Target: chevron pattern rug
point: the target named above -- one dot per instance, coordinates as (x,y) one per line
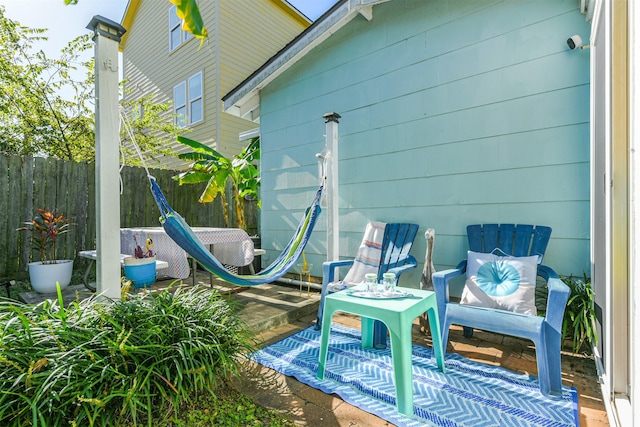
(469,394)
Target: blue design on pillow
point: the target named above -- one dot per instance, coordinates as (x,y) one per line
(498,279)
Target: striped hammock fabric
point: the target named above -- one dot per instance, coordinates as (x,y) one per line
(177,228)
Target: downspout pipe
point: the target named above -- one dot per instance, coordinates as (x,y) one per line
(296,282)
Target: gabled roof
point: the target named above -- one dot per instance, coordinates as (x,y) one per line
(127,18)
(244,99)
(134,5)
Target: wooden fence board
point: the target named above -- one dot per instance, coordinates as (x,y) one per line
(65,202)
(19,243)
(25,189)
(78,193)
(91,211)
(4,212)
(27,183)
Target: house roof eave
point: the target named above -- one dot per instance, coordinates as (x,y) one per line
(134,5)
(127,19)
(245,98)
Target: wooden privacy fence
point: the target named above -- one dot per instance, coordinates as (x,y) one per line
(28,183)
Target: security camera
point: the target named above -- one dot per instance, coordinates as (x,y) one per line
(574,42)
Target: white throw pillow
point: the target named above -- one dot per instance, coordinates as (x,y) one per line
(501,282)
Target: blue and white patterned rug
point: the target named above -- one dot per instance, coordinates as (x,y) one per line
(469,394)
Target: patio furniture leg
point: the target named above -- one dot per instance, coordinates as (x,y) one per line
(324,341)
(553,342)
(210,273)
(380,335)
(194,268)
(85,278)
(366,327)
(436,336)
(402,366)
(7,285)
(374,334)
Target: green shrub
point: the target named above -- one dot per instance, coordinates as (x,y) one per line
(109,363)
(580,316)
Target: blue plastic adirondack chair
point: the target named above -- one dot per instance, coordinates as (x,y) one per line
(545,332)
(395,258)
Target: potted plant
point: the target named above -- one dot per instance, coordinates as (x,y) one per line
(46,227)
(141,267)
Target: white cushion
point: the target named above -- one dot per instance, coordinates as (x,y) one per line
(501,282)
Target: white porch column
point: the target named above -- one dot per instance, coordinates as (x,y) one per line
(107,36)
(333,213)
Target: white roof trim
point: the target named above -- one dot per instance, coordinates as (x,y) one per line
(249,134)
(587,8)
(243,100)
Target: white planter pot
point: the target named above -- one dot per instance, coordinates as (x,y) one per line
(44,276)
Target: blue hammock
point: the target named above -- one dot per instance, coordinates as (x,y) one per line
(178,229)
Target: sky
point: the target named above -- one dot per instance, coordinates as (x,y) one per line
(68,22)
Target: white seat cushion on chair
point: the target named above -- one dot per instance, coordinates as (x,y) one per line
(367,258)
(501,282)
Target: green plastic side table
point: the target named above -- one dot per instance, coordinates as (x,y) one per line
(398,315)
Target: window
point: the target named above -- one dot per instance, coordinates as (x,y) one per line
(188,105)
(180,104)
(176,35)
(195,98)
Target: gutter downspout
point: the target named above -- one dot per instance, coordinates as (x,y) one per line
(287,281)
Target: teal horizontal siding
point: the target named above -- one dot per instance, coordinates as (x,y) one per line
(453,112)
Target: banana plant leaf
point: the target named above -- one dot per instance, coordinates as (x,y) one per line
(188,11)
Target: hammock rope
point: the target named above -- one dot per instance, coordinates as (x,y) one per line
(177,228)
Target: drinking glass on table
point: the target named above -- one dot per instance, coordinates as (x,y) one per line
(389,282)
(370,281)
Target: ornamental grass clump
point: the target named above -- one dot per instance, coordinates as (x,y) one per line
(110,363)
(580,320)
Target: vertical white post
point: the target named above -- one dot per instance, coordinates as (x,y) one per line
(634,180)
(333,213)
(107,36)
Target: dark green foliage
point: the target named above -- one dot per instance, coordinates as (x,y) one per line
(115,362)
(207,165)
(47,104)
(580,315)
